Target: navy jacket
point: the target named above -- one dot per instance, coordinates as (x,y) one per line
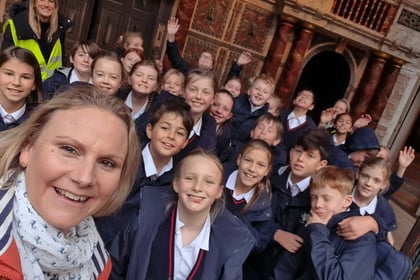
(179,63)
(289,214)
(333,258)
(291,135)
(230,241)
(4,126)
(56,82)
(243,120)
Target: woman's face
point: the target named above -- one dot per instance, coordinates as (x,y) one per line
(17,80)
(74,166)
(107,76)
(45,9)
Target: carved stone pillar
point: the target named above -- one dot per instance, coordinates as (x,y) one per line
(384,90)
(294,63)
(368,84)
(275,55)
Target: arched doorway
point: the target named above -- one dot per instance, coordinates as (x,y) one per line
(327,74)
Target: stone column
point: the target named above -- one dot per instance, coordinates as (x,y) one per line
(278,46)
(294,63)
(384,90)
(368,84)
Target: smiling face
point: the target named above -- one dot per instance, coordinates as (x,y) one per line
(199,184)
(205,61)
(253,165)
(17,80)
(144,80)
(81,61)
(107,76)
(221,108)
(304,163)
(344,124)
(174,84)
(233,86)
(260,92)
(199,94)
(74,166)
(129,60)
(326,200)
(266,131)
(370,182)
(167,137)
(45,9)
(304,100)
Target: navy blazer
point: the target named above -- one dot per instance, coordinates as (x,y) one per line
(243,120)
(332,257)
(229,246)
(291,135)
(11,125)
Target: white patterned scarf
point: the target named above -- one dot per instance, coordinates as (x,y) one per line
(46,252)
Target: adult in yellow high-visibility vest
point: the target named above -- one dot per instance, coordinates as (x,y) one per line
(39,28)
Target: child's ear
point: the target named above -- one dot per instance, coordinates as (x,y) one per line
(276,142)
(149,129)
(311,107)
(175,185)
(322,164)
(185,143)
(348,199)
(71,60)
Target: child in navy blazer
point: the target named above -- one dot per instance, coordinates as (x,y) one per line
(329,256)
(21,72)
(248,196)
(248,107)
(291,203)
(187,235)
(297,120)
(167,130)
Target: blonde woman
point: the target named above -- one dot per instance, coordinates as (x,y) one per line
(36,25)
(73,159)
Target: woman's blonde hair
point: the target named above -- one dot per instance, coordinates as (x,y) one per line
(13,141)
(35,22)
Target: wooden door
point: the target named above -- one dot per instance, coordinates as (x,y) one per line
(80,12)
(113,18)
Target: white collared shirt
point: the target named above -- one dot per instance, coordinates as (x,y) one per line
(74,78)
(16,115)
(253,107)
(301,185)
(370,208)
(186,257)
(230,184)
(129,103)
(294,121)
(196,128)
(149,164)
(335,141)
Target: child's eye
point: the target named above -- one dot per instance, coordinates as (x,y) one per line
(27,77)
(210,182)
(377,181)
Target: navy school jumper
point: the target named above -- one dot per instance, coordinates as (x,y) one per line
(289,214)
(291,135)
(17,122)
(243,120)
(328,256)
(131,250)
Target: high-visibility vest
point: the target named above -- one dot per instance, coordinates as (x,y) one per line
(55,60)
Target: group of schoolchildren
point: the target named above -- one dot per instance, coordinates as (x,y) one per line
(228,186)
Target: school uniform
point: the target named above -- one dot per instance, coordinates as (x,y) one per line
(202,136)
(224,145)
(244,118)
(290,213)
(395,182)
(18,117)
(146,175)
(329,256)
(292,133)
(143,250)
